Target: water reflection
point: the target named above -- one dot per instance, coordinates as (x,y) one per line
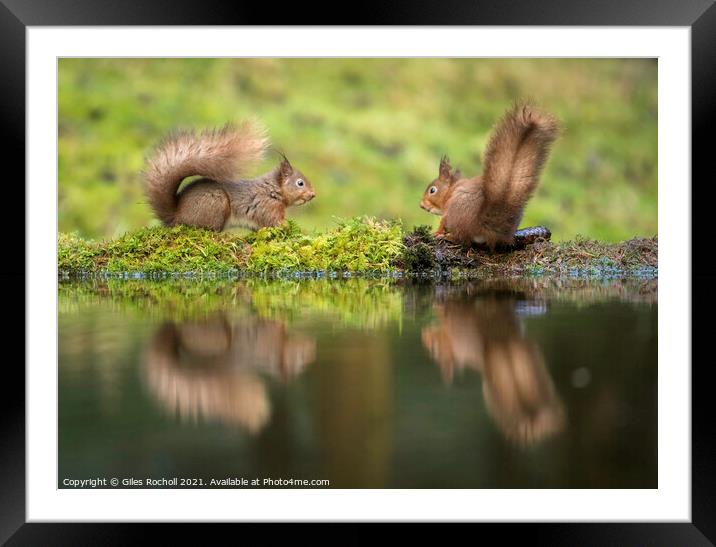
(483,332)
(347,380)
(212,369)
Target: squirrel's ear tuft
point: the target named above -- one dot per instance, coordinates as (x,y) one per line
(445,168)
(447,173)
(285,168)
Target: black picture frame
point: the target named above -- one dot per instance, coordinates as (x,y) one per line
(699,15)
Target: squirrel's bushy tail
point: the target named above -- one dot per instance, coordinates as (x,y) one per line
(221,154)
(514,158)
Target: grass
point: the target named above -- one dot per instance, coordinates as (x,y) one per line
(358,245)
(368,133)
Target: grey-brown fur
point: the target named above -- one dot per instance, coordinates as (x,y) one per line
(222,198)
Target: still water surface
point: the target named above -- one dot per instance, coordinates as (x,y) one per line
(366,383)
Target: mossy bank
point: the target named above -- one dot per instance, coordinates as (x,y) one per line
(360,245)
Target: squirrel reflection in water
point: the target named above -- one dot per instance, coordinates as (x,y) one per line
(485,334)
(212,368)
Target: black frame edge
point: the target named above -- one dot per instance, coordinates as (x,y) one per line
(583,535)
(703,120)
(12,417)
(699,14)
(372,12)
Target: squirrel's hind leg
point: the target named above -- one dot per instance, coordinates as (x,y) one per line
(204,204)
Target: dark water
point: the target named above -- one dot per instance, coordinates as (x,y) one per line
(366,383)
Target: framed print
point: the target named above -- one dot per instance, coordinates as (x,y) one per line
(404,270)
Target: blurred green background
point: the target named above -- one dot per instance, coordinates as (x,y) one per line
(368,133)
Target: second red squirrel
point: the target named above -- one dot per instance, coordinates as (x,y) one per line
(487,209)
(222,198)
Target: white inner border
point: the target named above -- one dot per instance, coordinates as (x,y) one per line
(671,501)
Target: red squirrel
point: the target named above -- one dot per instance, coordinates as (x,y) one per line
(487,209)
(221,198)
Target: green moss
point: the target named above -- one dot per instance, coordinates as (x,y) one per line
(360,245)
(76,254)
(154,250)
(357,245)
(176,249)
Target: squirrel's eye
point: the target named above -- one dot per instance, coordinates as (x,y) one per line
(299,182)
(433,189)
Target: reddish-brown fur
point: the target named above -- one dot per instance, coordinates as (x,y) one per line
(221,198)
(488,208)
(485,335)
